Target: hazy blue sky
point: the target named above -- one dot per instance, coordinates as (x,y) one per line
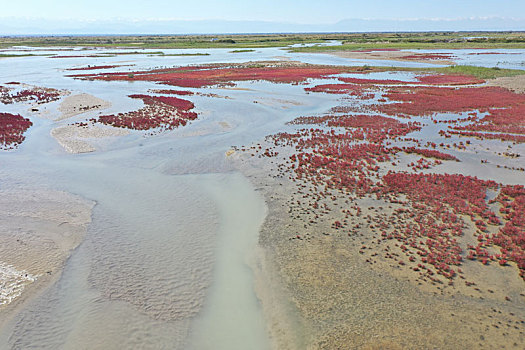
(263,16)
(296,11)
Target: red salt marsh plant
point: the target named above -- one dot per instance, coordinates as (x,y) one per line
(172,92)
(429,100)
(160,112)
(346,89)
(38,95)
(449,79)
(429,153)
(500,123)
(12,128)
(434,79)
(213,75)
(374,81)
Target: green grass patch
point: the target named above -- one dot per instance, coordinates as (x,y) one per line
(19,55)
(244,50)
(480,72)
(411,46)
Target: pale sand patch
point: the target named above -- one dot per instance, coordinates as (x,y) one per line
(39,230)
(82,139)
(213,128)
(516,83)
(233,88)
(386,55)
(274,102)
(78,104)
(282,58)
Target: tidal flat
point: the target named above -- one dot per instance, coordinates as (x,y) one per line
(262,198)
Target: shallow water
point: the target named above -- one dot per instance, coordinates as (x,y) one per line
(166,258)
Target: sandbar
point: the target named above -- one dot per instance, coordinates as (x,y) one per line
(83,139)
(81,103)
(386,55)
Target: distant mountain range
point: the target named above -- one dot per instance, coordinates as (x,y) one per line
(21,26)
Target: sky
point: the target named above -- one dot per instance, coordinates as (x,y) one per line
(40,14)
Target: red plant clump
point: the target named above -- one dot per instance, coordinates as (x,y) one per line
(161,112)
(490,136)
(347,89)
(373,81)
(429,153)
(173,92)
(211,75)
(374,128)
(508,120)
(178,103)
(38,95)
(511,237)
(440,198)
(428,100)
(12,128)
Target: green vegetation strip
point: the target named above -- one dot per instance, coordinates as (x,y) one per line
(351,41)
(480,72)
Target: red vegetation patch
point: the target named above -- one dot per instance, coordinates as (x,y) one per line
(490,136)
(161,112)
(211,75)
(437,202)
(38,95)
(374,128)
(429,153)
(173,92)
(509,121)
(347,89)
(373,81)
(511,238)
(428,100)
(12,128)
(437,79)
(178,103)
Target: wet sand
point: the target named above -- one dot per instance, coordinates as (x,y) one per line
(81,103)
(84,139)
(516,83)
(40,229)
